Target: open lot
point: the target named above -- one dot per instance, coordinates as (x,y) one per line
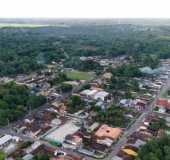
(78,75)
(59,134)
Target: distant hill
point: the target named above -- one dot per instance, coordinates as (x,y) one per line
(53,21)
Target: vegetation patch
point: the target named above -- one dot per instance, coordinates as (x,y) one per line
(114,116)
(75,104)
(16,101)
(156,149)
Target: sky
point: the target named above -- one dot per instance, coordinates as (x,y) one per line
(84,9)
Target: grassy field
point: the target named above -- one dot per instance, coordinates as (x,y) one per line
(77,75)
(20,25)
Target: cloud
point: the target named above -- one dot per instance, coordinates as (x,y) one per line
(85,8)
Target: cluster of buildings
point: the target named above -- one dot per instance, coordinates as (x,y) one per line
(28,150)
(8,142)
(103,61)
(65,136)
(163,106)
(150,127)
(140,136)
(54,131)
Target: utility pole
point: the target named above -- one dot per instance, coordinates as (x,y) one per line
(8,122)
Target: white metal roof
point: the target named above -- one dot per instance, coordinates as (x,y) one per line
(101,95)
(5,139)
(89,92)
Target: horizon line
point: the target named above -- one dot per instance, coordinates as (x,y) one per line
(110,18)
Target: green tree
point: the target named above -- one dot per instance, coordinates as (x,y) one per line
(66,87)
(41,156)
(156,125)
(15,100)
(36,101)
(114,116)
(59,78)
(155,149)
(75,104)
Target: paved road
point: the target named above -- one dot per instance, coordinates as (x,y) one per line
(136,125)
(118,145)
(123,140)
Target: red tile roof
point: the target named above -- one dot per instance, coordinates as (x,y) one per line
(108,132)
(163,103)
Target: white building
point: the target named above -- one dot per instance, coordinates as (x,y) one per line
(96,94)
(5,140)
(101,95)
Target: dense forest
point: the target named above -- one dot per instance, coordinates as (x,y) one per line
(23,50)
(16,101)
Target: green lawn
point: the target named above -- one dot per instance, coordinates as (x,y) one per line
(77,75)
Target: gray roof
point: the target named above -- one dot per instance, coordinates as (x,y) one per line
(28,157)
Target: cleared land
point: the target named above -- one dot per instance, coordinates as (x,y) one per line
(20,25)
(59,134)
(78,75)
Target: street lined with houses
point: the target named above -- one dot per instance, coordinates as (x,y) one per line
(107,116)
